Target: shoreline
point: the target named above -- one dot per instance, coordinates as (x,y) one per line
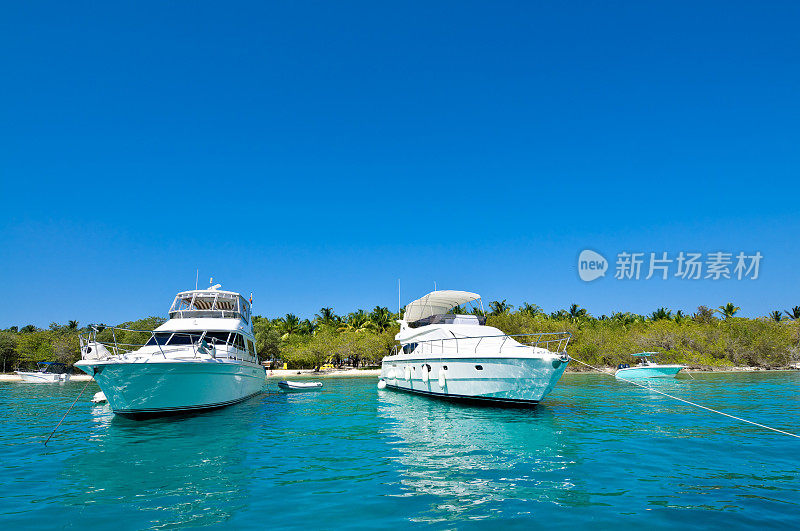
(279,374)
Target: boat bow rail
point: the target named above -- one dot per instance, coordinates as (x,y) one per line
(201,344)
(555,342)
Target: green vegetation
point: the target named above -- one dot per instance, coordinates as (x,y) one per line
(712,338)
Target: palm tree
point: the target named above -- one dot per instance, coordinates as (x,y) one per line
(576,312)
(381,317)
(499,307)
(661,313)
(72,325)
(530,309)
(357,321)
(795,313)
(289,325)
(727,311)
(306,327)
(775,316)
(326,317)
(679,317)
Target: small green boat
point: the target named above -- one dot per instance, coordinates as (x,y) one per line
(646,368)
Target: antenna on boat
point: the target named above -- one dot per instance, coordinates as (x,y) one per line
(434,285)
(398,298)
(196,278)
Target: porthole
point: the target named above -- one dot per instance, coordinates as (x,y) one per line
(444,367)
(478,367)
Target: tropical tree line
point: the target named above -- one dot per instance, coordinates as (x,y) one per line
(706,337)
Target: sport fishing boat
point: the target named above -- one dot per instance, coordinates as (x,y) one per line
(203,357)
(48,372)
(449,353)
(646,368)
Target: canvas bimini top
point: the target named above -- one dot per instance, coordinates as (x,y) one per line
(437,303)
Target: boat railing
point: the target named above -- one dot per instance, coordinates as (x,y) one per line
(117,348)
(196,314)
(552,341)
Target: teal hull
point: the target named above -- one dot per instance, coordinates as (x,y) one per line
(652,371)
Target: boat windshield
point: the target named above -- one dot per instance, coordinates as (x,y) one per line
(450,318)
(51,366)
(210,303)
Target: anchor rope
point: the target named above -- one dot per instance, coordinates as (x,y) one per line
(90,380)
(687,401)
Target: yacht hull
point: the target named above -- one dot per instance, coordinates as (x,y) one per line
(651,371)
(153,389)
(509,381)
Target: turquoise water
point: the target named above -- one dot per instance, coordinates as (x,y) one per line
(597,453)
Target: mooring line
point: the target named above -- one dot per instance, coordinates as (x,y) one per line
(67,413)
(686,401)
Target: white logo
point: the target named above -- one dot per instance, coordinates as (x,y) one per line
(591,265)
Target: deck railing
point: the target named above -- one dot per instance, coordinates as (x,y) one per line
(557,343)
(196,340)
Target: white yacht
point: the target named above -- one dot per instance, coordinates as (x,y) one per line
(454,355)
(203,357)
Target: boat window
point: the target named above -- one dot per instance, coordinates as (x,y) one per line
(449,318)
(408,348)
(221,337)
(159,338)
(238,342)
(251,349)
(183,339)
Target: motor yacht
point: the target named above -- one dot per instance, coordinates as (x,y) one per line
(448,353)
(647,369)
(48,372)
(203,357)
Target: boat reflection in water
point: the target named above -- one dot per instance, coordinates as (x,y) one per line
(166,472)
(464,455)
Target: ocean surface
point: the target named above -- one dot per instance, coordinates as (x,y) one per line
(596,453)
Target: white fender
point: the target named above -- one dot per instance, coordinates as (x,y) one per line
(442,379)
(382,384)
(406,373)
(425,375)
(390,374)
(99,397)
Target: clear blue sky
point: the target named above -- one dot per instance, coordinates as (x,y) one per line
(315,152)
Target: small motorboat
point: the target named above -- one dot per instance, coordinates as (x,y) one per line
(646,368)
(49,372)
(300,386)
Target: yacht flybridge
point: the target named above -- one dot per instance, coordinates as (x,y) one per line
(449,353)
(202,357)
